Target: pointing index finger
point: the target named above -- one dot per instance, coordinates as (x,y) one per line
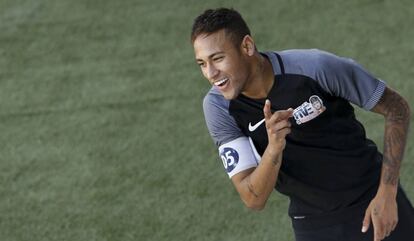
(266,110)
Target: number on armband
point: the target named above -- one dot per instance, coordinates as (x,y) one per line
(230,158)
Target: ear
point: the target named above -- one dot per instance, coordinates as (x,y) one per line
(248,46)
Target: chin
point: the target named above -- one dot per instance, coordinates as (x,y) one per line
(230,95)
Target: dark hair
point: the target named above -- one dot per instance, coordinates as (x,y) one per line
(213,20)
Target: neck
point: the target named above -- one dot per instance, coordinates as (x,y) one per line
(261,80)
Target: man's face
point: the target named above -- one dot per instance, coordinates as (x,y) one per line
(317,105)
(222,63)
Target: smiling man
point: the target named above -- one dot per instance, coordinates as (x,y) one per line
(283,120)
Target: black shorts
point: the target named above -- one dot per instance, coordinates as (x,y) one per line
(351,229)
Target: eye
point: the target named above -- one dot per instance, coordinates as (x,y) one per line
(216,59)
(201,64)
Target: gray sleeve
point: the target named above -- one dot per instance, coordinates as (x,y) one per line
(344,77)
(221,125)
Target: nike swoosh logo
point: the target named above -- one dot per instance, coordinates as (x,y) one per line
(253,128)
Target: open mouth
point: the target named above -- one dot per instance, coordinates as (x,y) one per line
(222,82)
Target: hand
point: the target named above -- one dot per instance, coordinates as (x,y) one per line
(277,127)
(383,213)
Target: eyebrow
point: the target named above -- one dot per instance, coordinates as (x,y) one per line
(211,55)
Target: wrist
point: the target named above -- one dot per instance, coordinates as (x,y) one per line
(274,154)
(273,151)
(388,190)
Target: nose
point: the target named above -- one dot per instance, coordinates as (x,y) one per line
(211,71)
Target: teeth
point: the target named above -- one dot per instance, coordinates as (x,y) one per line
(218,83)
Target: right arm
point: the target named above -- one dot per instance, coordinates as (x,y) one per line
(256,184)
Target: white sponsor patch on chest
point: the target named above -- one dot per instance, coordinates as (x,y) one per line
(309,110)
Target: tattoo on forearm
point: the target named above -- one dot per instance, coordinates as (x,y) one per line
(250,187)
(277,160)
(397,114)
(394,144)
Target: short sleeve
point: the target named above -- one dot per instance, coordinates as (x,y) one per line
(220,124)
(345,78)
(235,149)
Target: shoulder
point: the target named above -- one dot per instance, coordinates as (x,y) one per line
(338,76)
(310,62)
(214,99)
(221,125)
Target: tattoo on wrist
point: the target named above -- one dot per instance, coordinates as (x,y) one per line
(276,161)
(391,169)
(394,143)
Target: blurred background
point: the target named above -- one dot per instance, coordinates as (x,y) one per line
(101,127)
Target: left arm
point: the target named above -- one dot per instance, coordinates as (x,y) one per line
(382,210)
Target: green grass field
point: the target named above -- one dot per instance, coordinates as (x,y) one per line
(102,130)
